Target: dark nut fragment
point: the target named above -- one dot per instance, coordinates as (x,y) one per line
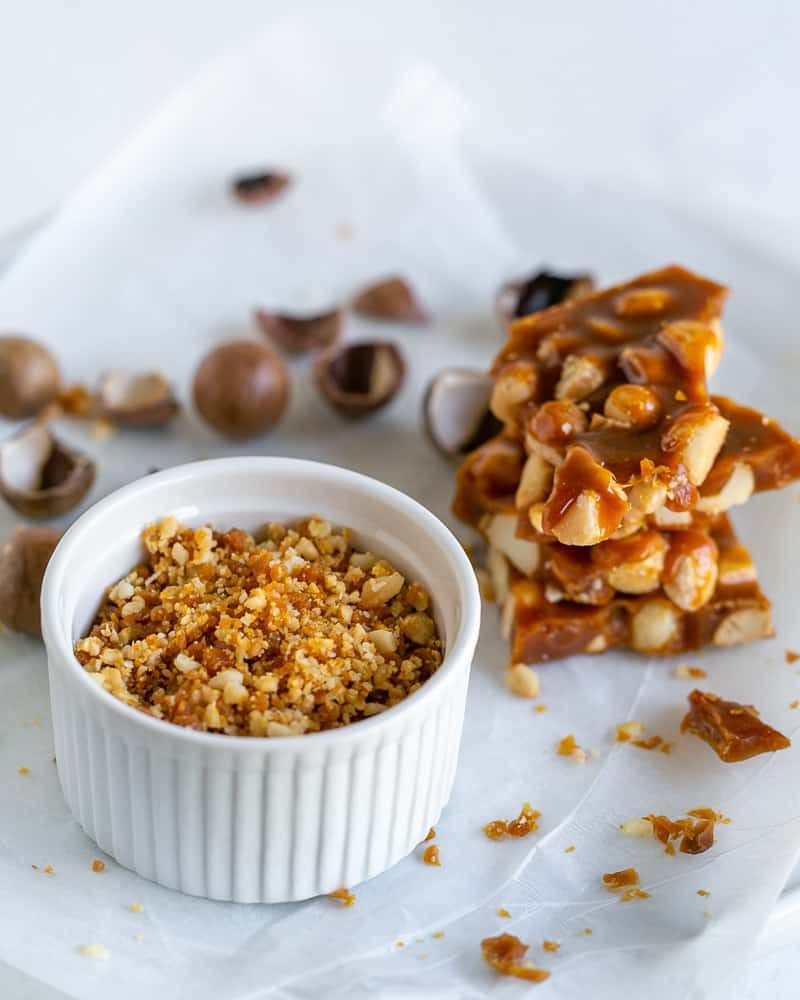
(539,291)
(258,189)
(455,410)
(41,477)
(733,731)
(298,334)
(136,400)
(29,377)
(23,558)
(359,379)
(241,388)
(392,298)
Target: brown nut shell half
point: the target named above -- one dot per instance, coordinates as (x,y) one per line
(298,334)
(40,476)
(23,559)
(359,379)
(538,291)
(455,410)
(241,388)
(142,399)
(390,299)
(261,187)
(29,377)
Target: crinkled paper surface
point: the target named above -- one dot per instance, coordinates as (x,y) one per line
(152,264)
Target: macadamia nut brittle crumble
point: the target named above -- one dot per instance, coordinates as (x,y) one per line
(290,634)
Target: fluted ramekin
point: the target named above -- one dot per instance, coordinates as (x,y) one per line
(244,818)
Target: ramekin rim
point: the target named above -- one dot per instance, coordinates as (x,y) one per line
(58,641)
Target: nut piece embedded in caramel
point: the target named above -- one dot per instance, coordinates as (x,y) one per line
(733,731)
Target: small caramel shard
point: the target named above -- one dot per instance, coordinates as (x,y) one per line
(695,832)
(345,897)
(506,954)
(733,731)
(614,881)
(551,945)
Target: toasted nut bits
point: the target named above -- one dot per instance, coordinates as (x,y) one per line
(23,560)
(506,954)
(241,388)
(293,634)
(733,731)
(29,377)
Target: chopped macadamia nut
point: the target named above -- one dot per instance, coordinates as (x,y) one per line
(290,634)
(99,952)
(522,680)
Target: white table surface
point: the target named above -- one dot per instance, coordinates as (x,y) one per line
(695,102)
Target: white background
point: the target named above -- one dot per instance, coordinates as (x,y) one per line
(694,102)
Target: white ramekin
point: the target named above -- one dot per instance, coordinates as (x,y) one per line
(242,818)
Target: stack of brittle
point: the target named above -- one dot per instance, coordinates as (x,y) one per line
(603,500)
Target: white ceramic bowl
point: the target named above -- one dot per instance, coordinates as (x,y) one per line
(242,818)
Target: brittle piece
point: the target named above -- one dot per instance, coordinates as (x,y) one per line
(566,609)
(659,328)
(733,731)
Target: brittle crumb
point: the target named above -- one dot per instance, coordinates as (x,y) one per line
(791,656)
(703,892)
(98,865)
(96,951)
(136,907)
(506,954)
(345,897)
(431,856)
(685,672)
(438,934)
(296,632)
(570,849)
(524,824)
(430,835)
(503,912)
(24,771)
(551,945)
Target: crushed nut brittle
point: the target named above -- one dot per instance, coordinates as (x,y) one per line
(685,672)
(506,954)
(614,881)
(98,865)
(524,824)
(567,747)
(294,633)
(345,897)
(551,945)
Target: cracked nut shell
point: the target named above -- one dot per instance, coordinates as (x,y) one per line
(298,334)
(241,388)
(455,410)
(29,377)
(260,188)
(136,400)
(391,299)
(23,558)
(40,476)
(359,379)
(539,291)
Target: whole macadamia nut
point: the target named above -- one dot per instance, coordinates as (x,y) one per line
(23,560)
(29,377)
(241,388)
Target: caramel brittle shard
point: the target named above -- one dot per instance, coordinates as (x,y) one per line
(735,732)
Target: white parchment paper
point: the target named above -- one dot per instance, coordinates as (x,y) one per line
(152,264)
